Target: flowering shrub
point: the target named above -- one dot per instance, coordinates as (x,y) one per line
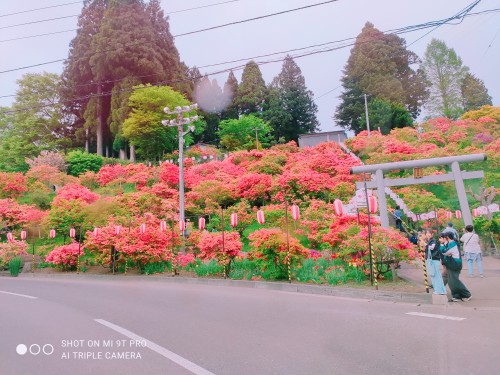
(65,256)
(255,186)
(211,246)
(269,251)
(12,185)
(75,191)
(140,248)
(10,250)
(14,214)
(169,174)
(184,260)
(48,158)
(111,173)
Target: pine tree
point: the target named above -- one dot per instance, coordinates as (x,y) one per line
(444,69)
(252,90)
(291,110)
(380,66)
(474,93)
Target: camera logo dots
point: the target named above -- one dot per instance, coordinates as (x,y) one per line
(35,349)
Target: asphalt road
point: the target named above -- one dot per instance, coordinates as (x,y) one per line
(89,326)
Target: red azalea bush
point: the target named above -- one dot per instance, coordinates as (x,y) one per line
(210,246)
(169,174)
(151,246)
(269,252)
(255,186)
(65,256)
(14,214)
(12,185)
(9,250)
(111,173)
(75,191)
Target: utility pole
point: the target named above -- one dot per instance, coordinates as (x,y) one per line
(367,119)
(179,122)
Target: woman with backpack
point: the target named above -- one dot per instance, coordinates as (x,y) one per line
(453,262)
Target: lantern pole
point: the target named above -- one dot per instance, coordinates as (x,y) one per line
(79,248)
(287,243)
(369,234)
(222,226)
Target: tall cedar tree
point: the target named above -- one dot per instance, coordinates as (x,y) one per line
(291,109)
(78,83)
(381,67)
(230,92)
(445,71)
(252,90)
(132,45)
(474,93)
(209,97)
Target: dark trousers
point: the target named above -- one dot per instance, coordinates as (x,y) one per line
(458,289)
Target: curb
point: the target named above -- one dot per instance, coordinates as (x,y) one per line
(422,298)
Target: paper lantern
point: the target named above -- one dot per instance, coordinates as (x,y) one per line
(72,232)
(52,233)
(373,204)
(458,214)
(295,212)
(448,215)
(118,229)
(10,237)
(96,231)
(339,207)
(201,223)
(260,217)
(142,228)
(234,220)
(163,225)
(414,217)
(182,226)
(475,212)
(23,235)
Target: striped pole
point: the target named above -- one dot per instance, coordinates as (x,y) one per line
(375,273)
(424,267)
(288,244)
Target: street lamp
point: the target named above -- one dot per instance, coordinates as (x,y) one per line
(179,122)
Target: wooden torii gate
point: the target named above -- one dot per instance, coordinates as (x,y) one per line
(379,182)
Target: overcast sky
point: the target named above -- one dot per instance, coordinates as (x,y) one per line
(476,39)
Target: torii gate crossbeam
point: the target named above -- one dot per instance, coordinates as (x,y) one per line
(379,182)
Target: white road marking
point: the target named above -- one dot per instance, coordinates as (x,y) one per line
(194,368)
(446,317)
(19,295)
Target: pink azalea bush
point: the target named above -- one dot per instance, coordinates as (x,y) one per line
(9,250)
(65,256)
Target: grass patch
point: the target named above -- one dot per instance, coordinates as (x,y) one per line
(15,266)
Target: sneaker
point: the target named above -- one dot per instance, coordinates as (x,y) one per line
(455,299)
(481,275)
(467,299)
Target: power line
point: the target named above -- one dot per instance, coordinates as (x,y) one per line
(188,33)
(255,18)
(202,7)
(402,30)
(39,21)
(36,9)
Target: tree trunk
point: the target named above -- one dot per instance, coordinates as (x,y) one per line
(123,154)
(132,153)
(99,133)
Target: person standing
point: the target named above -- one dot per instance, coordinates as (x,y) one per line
(398,215)
(449,229)
(432,252)
(453,263)
(472,251)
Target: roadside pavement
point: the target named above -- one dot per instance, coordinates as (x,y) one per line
(485,291)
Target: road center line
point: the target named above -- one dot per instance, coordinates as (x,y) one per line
(194,368)
(446,317)
(19,295)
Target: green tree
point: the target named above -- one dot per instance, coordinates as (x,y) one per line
(474,93)
(230,92)
(126,42)
(80,162)
(291,110)
(379,65)
(386,116)
(444,69)
(36,122)
(143,127)
(243,133)
(252,90)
